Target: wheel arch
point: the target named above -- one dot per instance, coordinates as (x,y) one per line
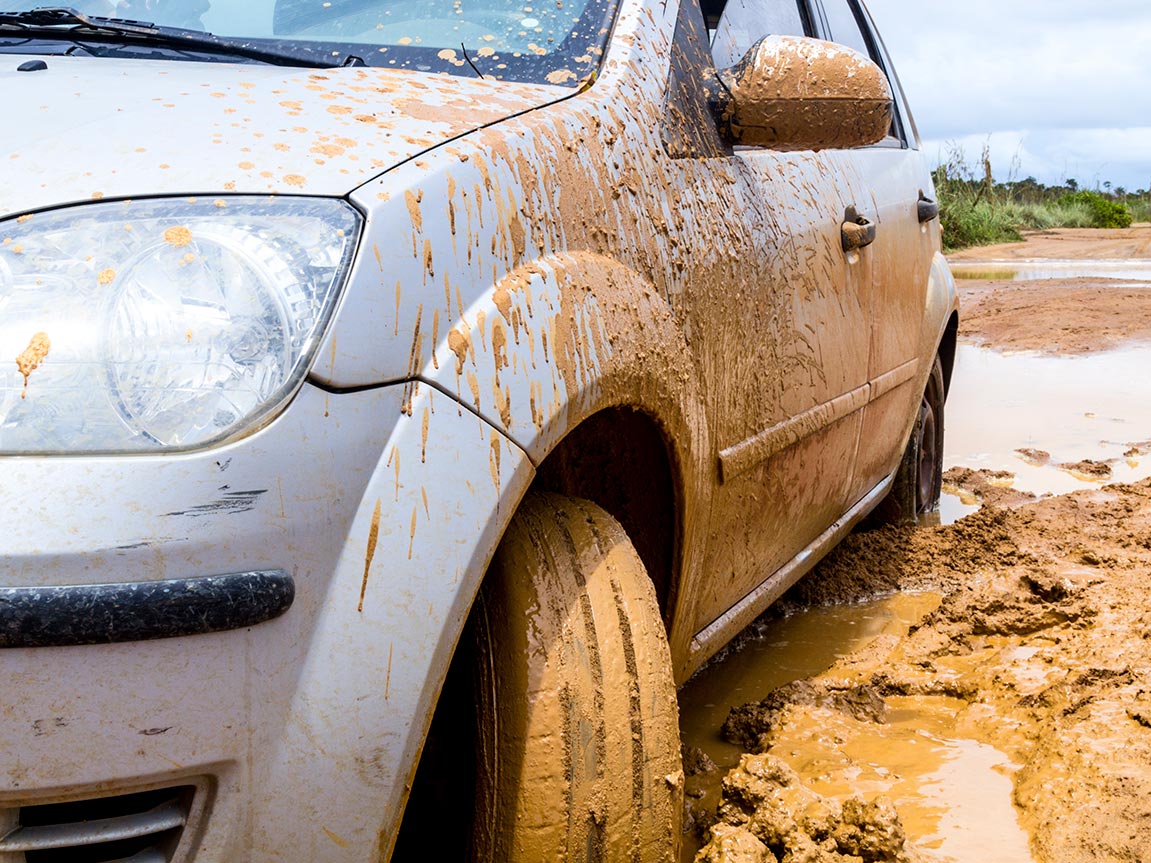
(947,347)
(622,460)
(581,362)
(941,320)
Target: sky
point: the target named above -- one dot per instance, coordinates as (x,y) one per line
(1057,88)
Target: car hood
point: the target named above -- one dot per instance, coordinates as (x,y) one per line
(91,128)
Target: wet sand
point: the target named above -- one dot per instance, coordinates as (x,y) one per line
(1009,719)
(1064,316)
(1055,316)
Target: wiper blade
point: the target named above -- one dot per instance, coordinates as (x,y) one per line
(75,22)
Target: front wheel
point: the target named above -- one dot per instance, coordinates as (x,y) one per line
(577,723)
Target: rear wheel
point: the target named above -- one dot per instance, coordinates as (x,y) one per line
(919,480)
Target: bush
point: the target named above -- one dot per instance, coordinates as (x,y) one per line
(975,210)
(1105,213)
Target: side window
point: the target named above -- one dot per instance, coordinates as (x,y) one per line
(738,24)
(848,27)
(844,21)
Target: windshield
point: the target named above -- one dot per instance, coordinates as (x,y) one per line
(540,41)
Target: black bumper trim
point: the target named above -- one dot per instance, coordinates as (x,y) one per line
(141,610)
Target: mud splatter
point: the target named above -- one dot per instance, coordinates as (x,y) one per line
(373,536)
(31,357)
(178,235)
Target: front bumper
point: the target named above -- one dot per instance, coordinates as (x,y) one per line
(296,735)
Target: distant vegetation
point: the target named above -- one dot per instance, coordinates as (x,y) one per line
(977,211)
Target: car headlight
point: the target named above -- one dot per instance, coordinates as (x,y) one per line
(162,324)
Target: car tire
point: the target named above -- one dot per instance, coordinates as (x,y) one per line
(919,480)
(578,733)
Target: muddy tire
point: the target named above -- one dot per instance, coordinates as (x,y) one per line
(919,480)
(578,743)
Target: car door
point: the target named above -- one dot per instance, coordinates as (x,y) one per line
(781,338)
(893,176)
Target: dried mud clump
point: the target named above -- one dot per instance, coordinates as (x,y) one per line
(1088,468)
(750,725)
(767,816)
(1034,457)
(985,486)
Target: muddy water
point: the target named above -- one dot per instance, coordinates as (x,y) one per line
(1095,407)
(953,794)
(1127,270)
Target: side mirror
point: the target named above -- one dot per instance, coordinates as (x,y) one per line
(794,93)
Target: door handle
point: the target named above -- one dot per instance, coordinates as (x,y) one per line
(856,231)
(927,208)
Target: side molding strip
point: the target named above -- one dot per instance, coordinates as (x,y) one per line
(59,616)
(717,633)
(746,454)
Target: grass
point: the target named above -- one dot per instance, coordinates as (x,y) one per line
(977,211)
(1140,209)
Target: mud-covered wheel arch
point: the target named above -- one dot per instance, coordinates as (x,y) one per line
(619,459)
(556,735)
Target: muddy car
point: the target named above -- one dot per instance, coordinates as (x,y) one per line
(401,399)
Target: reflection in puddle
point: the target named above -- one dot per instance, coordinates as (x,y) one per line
(953,794)
(953,507)
(1134,270)
(1001,403)
(972,791)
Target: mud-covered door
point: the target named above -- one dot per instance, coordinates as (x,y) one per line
(892,175)
(777,316)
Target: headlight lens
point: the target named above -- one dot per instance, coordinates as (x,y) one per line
(162,324)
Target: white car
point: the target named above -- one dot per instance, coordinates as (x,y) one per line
(399,399)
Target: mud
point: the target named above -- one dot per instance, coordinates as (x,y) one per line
(1010,720)
(985,486)
(1040,650)
(1083,244)
(1052,313)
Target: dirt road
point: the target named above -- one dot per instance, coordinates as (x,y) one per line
(1026,691)
(1082,244)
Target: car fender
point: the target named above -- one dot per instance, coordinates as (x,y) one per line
(428,521)
(554,342)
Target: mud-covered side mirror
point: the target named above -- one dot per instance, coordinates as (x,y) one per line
(795,93)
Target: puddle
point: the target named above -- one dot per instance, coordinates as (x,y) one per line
(953,507)
(953,794)
(1040,269)
(950,793)
(1000,403)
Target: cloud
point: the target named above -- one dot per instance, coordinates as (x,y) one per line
(1090,156)
(1060,76)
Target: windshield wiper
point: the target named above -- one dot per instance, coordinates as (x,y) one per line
(55,19)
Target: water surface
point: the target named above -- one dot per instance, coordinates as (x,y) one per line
(1133,270)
